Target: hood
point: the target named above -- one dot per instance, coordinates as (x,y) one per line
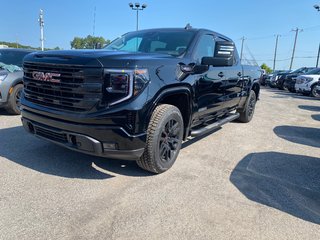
(309,76)
(94,58)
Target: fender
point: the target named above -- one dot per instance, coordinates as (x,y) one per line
(172,91)
(13,84)
(254,85)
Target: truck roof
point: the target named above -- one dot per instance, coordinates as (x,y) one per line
(187,30)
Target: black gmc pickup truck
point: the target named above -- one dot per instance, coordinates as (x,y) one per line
(140,96)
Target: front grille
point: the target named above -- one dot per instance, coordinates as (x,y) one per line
(50,134)
(78,89)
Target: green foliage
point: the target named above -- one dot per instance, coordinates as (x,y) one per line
(18,45)
(89,42)
(266,67)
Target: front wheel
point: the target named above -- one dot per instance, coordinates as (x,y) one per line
(14,102)
(315,91)
(164,138)
(247,114)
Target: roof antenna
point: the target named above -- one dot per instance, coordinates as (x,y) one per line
(188,26)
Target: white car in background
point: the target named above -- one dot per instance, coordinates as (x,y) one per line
(307,84)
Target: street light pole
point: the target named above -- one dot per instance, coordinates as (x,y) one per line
(137,7)
(41,22)
(137,28)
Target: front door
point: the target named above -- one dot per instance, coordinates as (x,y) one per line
(209,87)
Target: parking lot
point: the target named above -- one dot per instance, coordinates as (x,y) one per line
(259,180)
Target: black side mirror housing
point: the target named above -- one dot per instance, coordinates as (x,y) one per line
(217,62)
(223,55)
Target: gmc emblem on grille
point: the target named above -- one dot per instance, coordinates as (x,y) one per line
(46,77)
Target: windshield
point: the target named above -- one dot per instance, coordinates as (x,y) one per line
(300,70)
(12,57)
(314,71)
(171,42)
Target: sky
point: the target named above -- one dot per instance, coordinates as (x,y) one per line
(256,20)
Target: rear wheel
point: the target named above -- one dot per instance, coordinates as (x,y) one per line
(14,102)
(247,114)
(164,138)
(314,91)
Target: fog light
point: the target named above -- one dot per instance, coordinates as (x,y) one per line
(109,146)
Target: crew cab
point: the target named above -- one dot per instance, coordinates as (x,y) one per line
(140,96)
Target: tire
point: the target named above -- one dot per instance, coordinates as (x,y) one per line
(164,139)
(314,92)
(247,114)
(291,90)
(14,103)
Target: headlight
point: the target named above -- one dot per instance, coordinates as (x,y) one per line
(3,77)
(121,85)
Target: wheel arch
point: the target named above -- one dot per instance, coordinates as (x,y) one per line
(12,85)
(256,88)
(180,97)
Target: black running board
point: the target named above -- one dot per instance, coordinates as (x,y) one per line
(214,125)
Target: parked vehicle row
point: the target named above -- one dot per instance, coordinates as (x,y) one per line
(11,76)
(304,80)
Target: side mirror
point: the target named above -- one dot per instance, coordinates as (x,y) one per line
(223,55)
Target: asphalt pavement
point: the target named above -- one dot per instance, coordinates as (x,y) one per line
(259,180)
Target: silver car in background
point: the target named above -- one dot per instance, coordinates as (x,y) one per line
(11,76)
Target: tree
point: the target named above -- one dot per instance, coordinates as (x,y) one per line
(266,67)
(89,42)
(18,45)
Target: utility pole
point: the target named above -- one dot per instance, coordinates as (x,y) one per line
(94,21)
(241,52)
(297,30)
(318,56)
(275,53)
(41,22)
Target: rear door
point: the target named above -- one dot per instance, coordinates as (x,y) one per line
(232,81)
(233,84)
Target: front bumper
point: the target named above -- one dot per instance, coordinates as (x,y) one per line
(302,88)
(98,140)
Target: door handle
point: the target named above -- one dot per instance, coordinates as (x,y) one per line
(239,74)
(220,74)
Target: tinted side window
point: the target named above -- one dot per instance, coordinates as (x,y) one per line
(205,48)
